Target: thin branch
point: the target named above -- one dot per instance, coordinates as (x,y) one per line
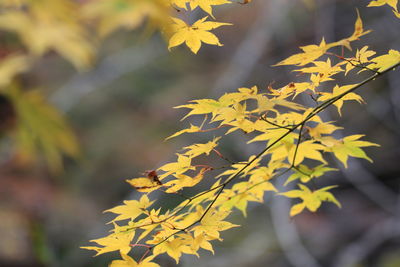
(297,145)
(223,157)
(287,127)
(360,65)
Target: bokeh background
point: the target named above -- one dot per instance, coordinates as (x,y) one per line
(121,111)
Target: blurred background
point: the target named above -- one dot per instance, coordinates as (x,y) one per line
(121,111)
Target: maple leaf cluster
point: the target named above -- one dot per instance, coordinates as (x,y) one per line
(294,139)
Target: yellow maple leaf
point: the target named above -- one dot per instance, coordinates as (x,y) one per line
(242,93)
(191,129)
(310,53)
(237,112)
(338,90)
(202,106)
(257,190)
(261,174)
(174,246)
(144,184)
(313,52)
(322,67)
(271,135)
(129,262)
(307,149)
(383,62)
(322,70)
(183,180)
(243,192)
(116,241)
(213,223)
(199,149)
(322,128)
(360,59)
(233,199)
(182,165)
(350,146)
(230,103)
(290,89)
(202,241)
(194,35)
(131,209)
(358,31)
(247,126)
(311,200)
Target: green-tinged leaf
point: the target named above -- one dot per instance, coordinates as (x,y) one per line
(306,174)
(311,200)
(349,146)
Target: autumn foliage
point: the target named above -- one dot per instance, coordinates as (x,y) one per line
(295,139)
(292,137)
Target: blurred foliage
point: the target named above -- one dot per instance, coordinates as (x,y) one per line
(41,129)
(66,27)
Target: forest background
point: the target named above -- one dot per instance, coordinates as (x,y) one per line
(121,110)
